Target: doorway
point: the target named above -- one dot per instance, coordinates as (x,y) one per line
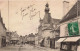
(3,42)
(51,44)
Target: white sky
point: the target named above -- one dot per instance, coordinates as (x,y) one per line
(27,26)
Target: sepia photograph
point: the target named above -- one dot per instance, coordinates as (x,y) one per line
(39,25)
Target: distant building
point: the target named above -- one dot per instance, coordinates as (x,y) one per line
(14,38)
(8,37)
(70,29)
(2,32)
(46,29)
(20,39)
(31,38)
(25,38)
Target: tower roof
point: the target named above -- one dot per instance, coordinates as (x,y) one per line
(46,8)
(47,5)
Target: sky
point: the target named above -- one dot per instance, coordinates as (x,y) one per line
(20,18)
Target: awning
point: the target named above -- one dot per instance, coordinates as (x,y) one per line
(71,39)
(61,39)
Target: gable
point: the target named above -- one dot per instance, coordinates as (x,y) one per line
(73,13)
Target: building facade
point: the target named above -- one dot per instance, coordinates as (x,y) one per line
(14,38)
(70,29)
(2,32)
(31,38)
(8,37)
(46,29)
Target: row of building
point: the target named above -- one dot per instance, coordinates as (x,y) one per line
(29,39)
(11,38)
(6,37)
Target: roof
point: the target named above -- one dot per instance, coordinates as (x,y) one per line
(31,35)
(55,21)
(72,12)
(2,23)
(49,26)
(1,20)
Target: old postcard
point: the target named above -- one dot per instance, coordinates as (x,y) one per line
(39,25)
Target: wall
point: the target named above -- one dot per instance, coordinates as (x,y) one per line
(78,48)
(31,39)
(0,41)
(2,32)
(47,33)
(14,36)
(62,30)
(36,40)
(46,42)
(64,24)
(40,33)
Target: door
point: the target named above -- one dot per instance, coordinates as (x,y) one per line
(3,41)
(51,44)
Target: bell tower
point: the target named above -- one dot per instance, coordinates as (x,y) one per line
(47,16)
(47,8)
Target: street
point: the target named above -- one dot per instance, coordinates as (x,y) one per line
(26,48)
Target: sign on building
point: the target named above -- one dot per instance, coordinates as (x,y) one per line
(73,28)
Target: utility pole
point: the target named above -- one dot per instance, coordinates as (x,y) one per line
(8,15)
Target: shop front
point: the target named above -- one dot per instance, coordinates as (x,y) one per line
(69,43)
(69,46)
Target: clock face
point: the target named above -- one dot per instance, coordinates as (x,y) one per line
(73,28)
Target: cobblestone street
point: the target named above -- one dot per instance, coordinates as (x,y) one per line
(26,48)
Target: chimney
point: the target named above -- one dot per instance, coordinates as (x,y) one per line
(65,7)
